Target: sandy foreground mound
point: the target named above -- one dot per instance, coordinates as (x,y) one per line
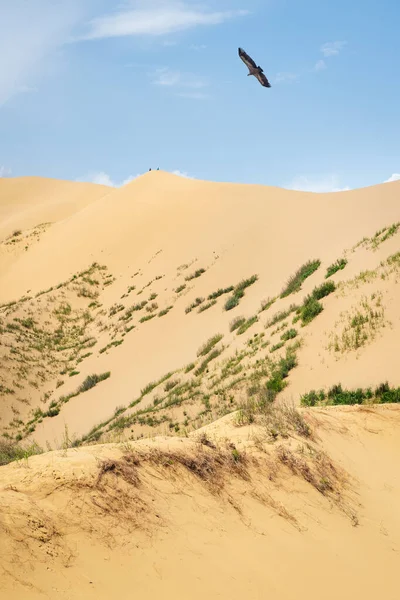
(297,505)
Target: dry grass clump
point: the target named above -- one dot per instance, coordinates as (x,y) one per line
(319,470)
(361,325)
(210,464)
(277,420)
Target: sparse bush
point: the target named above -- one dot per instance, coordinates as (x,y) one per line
(246,325)
(238,292)
(266,304)
(336,395)
(294,283)
(289,335)
(311,309)
(335,267)
(92,380)
(195,274)
(204,307)
(194,304)
(220,292)
(323,290)
(281,315)
(171,384)
(203,366)
(276,347)
(10,451)
(236,323)
(209,344)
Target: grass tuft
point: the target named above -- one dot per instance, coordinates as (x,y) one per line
(335,267)
(294,283)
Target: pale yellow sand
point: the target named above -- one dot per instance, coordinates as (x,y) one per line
(152,234)
(270,536)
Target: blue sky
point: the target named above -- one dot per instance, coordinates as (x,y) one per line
(101,90)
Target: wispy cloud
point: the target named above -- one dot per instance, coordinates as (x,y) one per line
(5,171)
(29,34)
(102,178)
(394,177)
(156,17)
(332,48)
(182,174)
(285,77)
(320,65)
(186,85)
(320,185)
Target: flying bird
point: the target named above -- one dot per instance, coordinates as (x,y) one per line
(253,68)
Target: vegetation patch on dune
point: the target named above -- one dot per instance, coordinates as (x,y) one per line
(194,275)
(336,395)
(312,306)
(379,237)
(238,292)
(11,451)
(194,305)
(206,306)
(209,344)
(339,265)
(293,285)
(244,326)
(361,325)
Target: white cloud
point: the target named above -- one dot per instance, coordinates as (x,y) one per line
(162,17)
(102,178)
(285,77)
(187,85)
(320,185)
(320,65)
(332,48)
(30,32)
(182,174)
(394,177)
(5,171)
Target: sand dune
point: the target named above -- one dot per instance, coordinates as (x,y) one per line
(117,325)
(163,530)
(29,201)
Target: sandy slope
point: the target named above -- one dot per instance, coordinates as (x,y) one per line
(29,201)
(144,233)
(169,534)
(284,513)
(246,225)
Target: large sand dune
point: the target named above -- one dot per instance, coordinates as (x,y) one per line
(114,327)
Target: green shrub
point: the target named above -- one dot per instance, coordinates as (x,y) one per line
(238,292)
(294,283)
(311,309)
(335,267)
(289,335)
(92,380)
(336,395)
(10,451)
(246,325)
(209,344)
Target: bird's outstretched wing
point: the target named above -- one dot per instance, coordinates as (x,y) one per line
(263,80)
(248,61)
